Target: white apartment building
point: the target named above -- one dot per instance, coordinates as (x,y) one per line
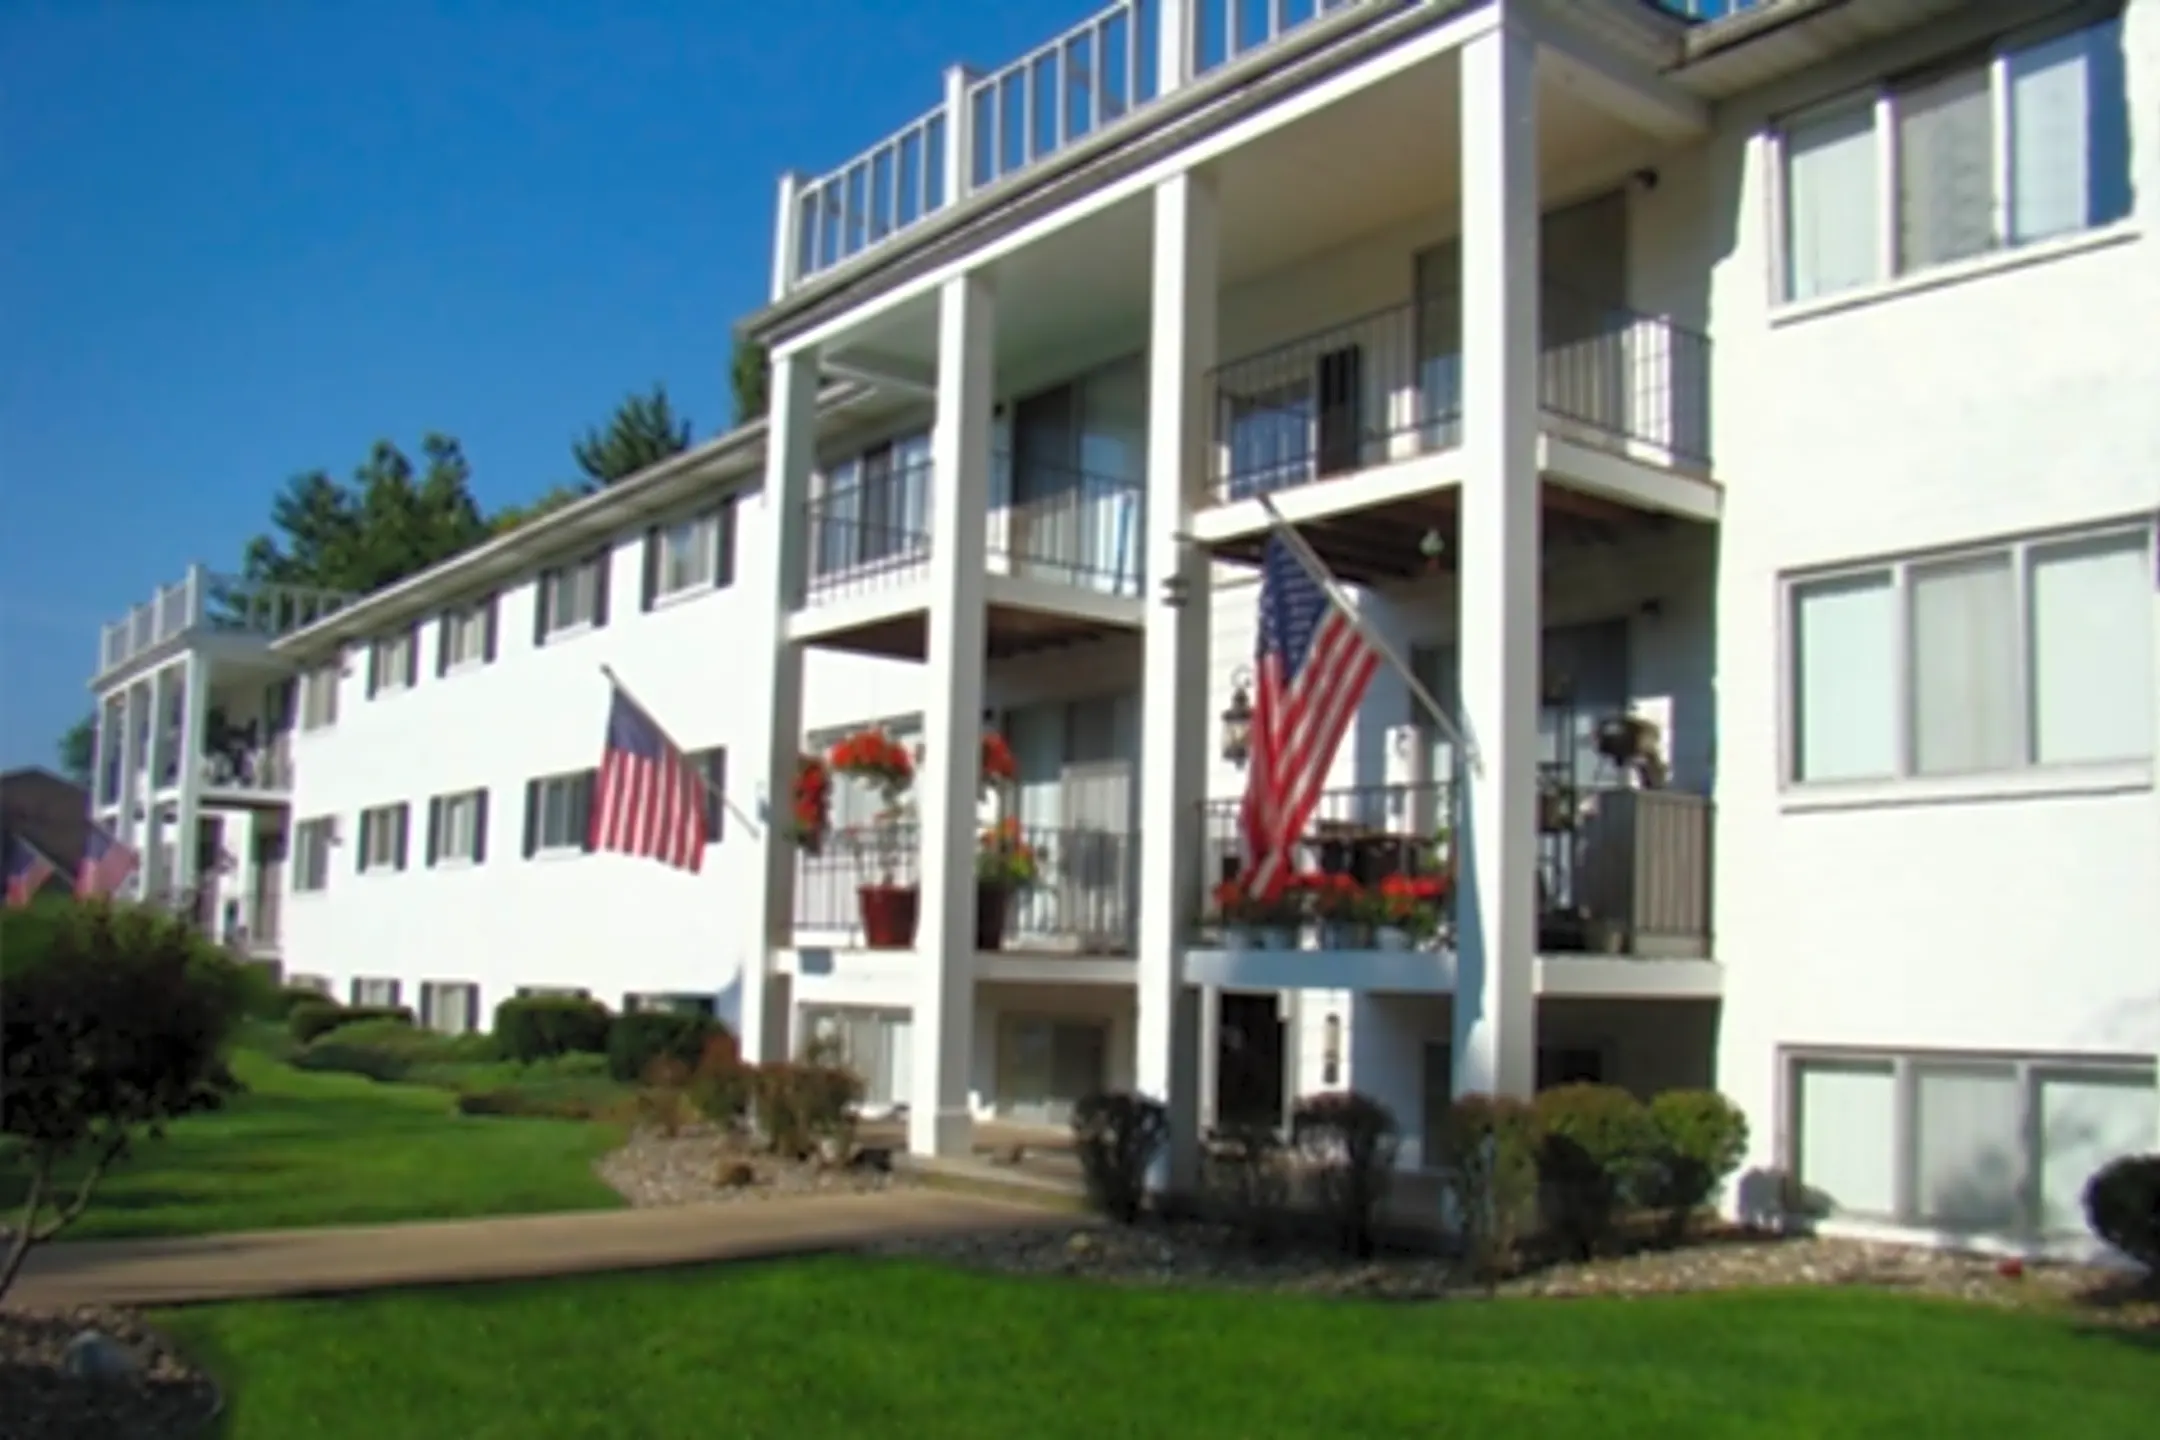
(1627,366)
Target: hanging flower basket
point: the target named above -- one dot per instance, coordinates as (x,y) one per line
(810,805)
(999,767)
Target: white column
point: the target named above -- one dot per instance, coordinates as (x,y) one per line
(787,236)
(100,753)
(959,134)
(1174,37)
(790,453)
(134,785)
(1495,1003)
(1209,1064)
(194,726)
(939,1122)
(1174,665)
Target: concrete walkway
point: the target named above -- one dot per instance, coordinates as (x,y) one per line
(267,1263)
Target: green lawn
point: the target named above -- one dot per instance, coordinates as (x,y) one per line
(327,1149)
(844,1347)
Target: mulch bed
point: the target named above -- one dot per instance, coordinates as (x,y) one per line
(166,1398)
(700,1166)
(1192,1253)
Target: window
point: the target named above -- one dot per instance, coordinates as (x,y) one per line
(558,812)
(553,992)
(457,828)
(449,1007)
(312,840)
(635,1001)
(374,991)
(382,837)
(571,597)
(874,508)
(392,663)
(2023,142)
(712,764)
(1999,1145)
(319,984)
(697,553)
(2023,654)
(318,696)
(465,637)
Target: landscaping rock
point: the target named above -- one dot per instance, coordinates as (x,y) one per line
(96,1373)
(701,1166)
(1200,1254)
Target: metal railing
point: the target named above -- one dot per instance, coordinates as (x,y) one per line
(1085,895)
(1388,386)
(206,600)
(1623,871)
(991,127)
(263,767)
(828,884)
(1074,528)
(1368,833)
(869,533)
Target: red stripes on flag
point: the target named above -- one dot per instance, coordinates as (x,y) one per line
(650,800)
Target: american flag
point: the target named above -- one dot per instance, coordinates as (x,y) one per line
(1313,669)
(27,872)
(106,865)
(651,800)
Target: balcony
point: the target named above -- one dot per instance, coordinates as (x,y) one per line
(250,770)
(1061,551)
(208,603)
(1388,386)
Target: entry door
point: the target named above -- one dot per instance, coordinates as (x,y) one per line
(1099,874)
(1249,1061)
(1046,472)
(1045,1067)
(1113,463)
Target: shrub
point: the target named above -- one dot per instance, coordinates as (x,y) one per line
(318,1018)
(801,1105)
(1698,1138)
(1118,1136)
(277,1002)
(389,1049)
(1487,1156)
(1248,1174)
(538,1026)
(643,1036)
(113,1020)
(2122,1204)
(1349,1141)
(1594,1145)
(721,1087)
(663,1099)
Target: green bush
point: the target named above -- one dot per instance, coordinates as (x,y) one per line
(545,1103)
(319,1017)
(277,1002)
(539,1026)
(1486,1150)
(388,1049)
(1247,1182)
(636,1040)
(1349,1142)
(1595,1144)
(1698,1138)
(2122,1204)
(722,1087)
(1118,1136)
(800,1105)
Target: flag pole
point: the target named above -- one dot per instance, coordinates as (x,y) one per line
(1315,567)
(703,779)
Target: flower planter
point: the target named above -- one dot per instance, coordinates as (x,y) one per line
(993,905)
(1274,937)
(889,913)
(1393,937)
(1345,935)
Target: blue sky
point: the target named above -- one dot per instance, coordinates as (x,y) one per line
(244,240)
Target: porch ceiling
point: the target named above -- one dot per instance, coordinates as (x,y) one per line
(1012,631)
(1387,542)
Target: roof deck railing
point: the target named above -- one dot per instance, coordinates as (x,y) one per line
(204,599)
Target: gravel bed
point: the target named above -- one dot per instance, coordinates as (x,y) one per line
(161,1397)
(701,1166)
(1193,1254)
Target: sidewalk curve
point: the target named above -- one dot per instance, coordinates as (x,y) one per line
(262,1264)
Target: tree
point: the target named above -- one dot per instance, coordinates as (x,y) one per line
(644,432)
(78,750)
(386,524)
(503,521)
(750,372)
(113,1023)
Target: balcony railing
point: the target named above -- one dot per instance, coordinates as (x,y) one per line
(266,767)
(1368,833)
(209,601)
(1069,527)
(991,128)
(828,884)
(1388,386)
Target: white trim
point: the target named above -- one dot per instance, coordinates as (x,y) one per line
(1957,272)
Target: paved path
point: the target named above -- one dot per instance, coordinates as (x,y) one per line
(264,1263)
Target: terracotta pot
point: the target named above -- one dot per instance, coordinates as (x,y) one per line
(888,915)
(993,904)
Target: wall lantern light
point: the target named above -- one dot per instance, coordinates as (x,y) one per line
(1237,718)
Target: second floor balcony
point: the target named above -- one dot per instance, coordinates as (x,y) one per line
(204,602)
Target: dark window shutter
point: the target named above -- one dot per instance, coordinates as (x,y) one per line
(601,566)
(404,832)
(487,644)
(652,567)
(532,817)
(587,783)
(541,586)
(472,1008)
(724,568)
(434,831)
(412,656)
(479,826)
(715,794)
(442,645)
(374,668)
(367,823)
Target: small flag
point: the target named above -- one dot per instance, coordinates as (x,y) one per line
(27,872)
(651,801)
(1314,666)
(106,865)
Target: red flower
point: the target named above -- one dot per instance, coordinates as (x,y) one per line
(810,805)
(998,763)
(875,756)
